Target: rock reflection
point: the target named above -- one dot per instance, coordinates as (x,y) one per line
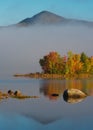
(74,95)
(52,89)
(83,85)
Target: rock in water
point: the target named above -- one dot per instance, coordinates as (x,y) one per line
(17,93)
(73,95)
(10,92)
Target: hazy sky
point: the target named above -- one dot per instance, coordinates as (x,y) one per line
(21,49)
(13,11)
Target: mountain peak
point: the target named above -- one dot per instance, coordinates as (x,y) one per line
(49,14)
(49,18)
(44,12)
(44,17)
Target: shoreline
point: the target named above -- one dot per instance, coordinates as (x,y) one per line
(54,76)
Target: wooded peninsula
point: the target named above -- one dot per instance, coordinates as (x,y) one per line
(71,65)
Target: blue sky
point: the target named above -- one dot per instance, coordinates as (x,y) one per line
(13,11)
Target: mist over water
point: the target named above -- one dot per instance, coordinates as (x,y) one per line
(21,48)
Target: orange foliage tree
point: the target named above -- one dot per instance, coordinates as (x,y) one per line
(53,63)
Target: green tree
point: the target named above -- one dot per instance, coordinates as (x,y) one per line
(83,57)
(86,62)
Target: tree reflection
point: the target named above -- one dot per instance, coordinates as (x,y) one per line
(54,89)
(85,85)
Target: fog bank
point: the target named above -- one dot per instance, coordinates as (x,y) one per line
(21,48)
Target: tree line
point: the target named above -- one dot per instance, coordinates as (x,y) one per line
(54,63)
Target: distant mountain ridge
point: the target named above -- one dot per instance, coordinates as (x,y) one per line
(44,17)
(49,18)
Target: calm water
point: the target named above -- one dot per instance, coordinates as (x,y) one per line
(47,112)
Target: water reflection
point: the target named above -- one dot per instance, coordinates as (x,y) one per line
(45,111)
(54,89)
(85,85)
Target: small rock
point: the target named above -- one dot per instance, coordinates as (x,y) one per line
(17,93)
(10,92)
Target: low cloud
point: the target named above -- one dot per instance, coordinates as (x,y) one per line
(21,48)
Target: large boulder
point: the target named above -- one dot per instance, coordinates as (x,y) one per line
(73,95)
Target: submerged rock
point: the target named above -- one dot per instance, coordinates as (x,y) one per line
(74,95)
(24,97)
(3,95)
(18,95)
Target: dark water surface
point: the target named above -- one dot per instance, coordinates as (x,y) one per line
(48,112)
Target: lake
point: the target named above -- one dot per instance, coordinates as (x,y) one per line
(48,111)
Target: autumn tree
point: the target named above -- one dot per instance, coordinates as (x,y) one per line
(52,63)
(91,62)
(71,64)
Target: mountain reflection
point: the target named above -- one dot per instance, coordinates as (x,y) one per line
(54,89)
